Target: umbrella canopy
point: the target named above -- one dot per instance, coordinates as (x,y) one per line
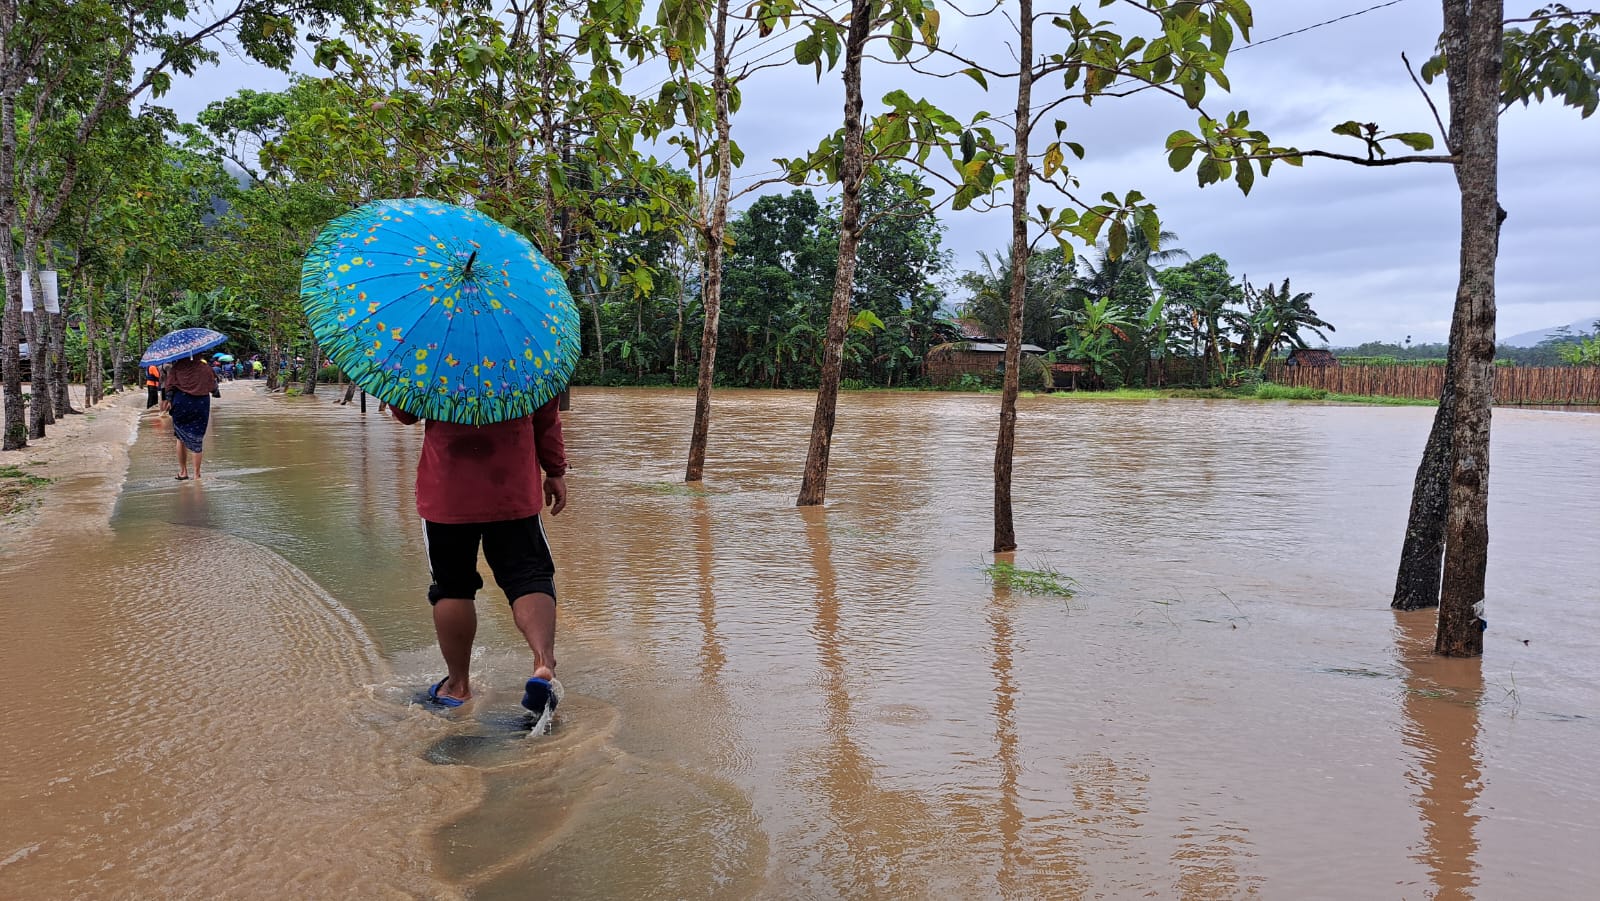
(181,344)
(440,311)
(223,358)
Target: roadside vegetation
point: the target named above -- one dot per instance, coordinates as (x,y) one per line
(18,489)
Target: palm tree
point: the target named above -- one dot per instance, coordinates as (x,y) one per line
(1272,318)
(216,309)
(1127,282)
(1140,260)
(1093,333)
(1051,294)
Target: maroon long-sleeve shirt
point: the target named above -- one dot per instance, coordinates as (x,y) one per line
(487,473)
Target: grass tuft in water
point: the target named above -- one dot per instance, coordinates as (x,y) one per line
(1031,581)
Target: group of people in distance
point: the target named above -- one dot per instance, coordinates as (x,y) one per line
(475,484)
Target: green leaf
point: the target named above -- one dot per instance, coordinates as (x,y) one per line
(1416,140)
(976,75)
(1221,35)
(1350,129)
(1180,158)
(1150,224)
(1117,239)
(808,51)
(1181,138)
(1245,177)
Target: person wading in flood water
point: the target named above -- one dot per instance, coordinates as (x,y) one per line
(482,483)
(152,385)
(190,385)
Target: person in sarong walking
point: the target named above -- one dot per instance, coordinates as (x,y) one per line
(190,384)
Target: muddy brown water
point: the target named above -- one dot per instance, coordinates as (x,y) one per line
(213,697)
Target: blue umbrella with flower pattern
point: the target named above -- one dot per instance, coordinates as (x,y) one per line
(180,345)
(441,311)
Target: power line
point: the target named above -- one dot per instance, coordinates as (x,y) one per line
(1278,37)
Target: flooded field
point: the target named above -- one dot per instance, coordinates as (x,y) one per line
(213,698)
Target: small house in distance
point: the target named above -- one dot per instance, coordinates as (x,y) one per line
(1309,357)
(975,354)
(1065,376)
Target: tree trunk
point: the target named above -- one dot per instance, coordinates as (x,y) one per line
(814,485)
(677,331)
(313,364)
(93,380)
(599,337)
(63,373)
(16,428)
(274,354)
(711,291)
(130,316)
(58,339)
(41,368)
(1422,555)
(1417,584)
(1475,133)
(1005,535)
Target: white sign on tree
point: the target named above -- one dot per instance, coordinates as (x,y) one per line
(47,281)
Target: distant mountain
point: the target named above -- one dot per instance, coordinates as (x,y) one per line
(1529,339)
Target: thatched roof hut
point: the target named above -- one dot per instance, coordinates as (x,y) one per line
(1309,357)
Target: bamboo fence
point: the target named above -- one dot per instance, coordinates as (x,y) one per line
(1559,385)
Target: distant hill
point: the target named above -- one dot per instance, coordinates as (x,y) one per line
(1529,339)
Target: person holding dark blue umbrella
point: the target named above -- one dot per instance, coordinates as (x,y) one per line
(187,389)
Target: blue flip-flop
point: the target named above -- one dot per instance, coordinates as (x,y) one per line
(443,700)
(538,696)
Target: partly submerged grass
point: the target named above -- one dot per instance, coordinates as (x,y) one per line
(1118,394)
(1381,401)
(16,488)
(1269,391)
(1030,581)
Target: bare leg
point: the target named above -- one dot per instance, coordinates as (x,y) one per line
(183,461)
(197,466)
(455,621)
(535,615)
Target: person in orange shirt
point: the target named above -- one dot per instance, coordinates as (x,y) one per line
(152,385)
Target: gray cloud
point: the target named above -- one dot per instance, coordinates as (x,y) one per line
(1377,247)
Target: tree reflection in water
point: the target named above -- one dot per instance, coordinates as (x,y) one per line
(1439,709)
(879,834)
(712,656)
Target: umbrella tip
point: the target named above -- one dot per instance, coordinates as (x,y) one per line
(468,271)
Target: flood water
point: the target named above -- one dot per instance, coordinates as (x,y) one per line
(214,697)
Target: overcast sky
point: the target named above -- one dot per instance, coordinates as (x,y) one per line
(1376,247)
